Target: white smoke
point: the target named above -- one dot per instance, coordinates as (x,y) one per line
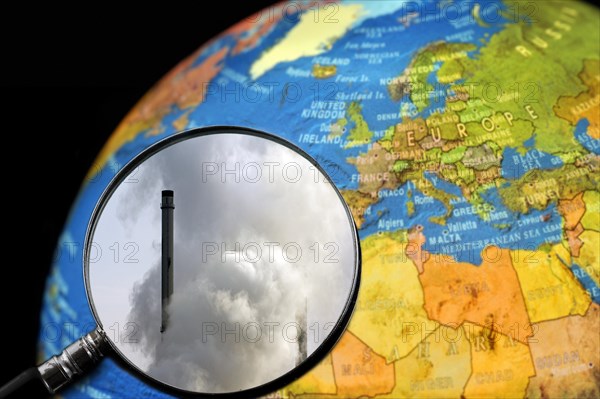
(237,293)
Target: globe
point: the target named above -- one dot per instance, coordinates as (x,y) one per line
(465,138)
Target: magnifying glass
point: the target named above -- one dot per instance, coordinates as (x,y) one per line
(239,272)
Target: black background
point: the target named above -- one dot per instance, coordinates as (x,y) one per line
(67,77)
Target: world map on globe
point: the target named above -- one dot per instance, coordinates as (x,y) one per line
(465,137)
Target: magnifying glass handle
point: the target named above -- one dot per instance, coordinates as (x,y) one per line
(59,370)
(27,384)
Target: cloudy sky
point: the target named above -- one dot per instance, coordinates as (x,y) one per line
(232,317)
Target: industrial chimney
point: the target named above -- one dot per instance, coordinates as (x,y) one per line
(302,322)
(167,207)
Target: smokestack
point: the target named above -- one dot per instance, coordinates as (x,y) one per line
(167,205)
(302,320)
